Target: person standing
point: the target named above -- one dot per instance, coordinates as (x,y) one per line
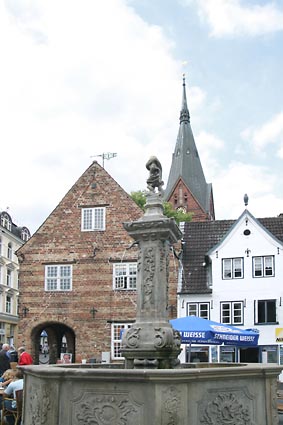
(25,358)
(4,359)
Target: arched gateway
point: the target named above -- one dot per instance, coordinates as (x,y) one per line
(60,338)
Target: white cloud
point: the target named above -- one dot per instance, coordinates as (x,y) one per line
(238,178)
(271,132)
(76,81)
(235,18)
(209,147)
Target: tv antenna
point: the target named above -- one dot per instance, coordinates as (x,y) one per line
(105,155)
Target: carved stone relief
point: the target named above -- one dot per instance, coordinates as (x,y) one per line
(132,337)
(39,405)
(234,407)
(148,270)
(171,406)
(101,408)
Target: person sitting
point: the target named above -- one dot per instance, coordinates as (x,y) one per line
(7,377)
(15,385)
(25,358)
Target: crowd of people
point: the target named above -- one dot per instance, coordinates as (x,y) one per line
(12,378)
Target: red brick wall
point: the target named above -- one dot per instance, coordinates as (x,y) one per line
(181,196)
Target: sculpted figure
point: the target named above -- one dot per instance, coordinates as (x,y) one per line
(155,174)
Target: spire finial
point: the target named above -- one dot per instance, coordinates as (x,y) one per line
(246,200)
(184,115)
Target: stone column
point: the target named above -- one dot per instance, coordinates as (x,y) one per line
(151,341)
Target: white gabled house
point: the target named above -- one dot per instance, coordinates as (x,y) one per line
(233,274)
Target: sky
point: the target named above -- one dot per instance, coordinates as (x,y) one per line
(81,78)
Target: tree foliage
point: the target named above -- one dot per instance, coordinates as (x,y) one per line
(139,197)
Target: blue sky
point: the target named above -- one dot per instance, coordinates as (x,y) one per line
(82,78)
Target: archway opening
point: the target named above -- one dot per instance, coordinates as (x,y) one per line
(50,340)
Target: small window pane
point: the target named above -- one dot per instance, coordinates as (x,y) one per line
(192,309)
(125,276)
(257,266)
(227,269)
(238,267)
(87,219)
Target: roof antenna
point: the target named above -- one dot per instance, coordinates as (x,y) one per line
(246,200)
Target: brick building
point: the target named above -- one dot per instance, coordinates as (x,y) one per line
(78,273)
(187,189)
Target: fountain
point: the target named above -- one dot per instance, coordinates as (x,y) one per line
(153,388)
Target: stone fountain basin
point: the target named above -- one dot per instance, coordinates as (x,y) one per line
(195,393)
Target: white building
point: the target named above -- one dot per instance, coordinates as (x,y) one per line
(233,274)
(11,238)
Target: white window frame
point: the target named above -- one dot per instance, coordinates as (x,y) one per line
(93,219)
(57,277)
(10,251)
(117,330)
(235,310)
(8,306)
(125,276)
(9,276)
(198,309)
(25,234)
(233,265)
(261,268)
(6,222)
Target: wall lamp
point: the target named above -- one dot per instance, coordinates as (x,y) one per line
(93,311)
(25,311)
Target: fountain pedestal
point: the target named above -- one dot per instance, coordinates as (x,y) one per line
(151,341)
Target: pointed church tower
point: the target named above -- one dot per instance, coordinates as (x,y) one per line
(186,187)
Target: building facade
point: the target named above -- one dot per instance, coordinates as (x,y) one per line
(12,237)
(78,273)
(232,274)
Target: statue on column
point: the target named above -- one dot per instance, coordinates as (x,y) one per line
(155,174)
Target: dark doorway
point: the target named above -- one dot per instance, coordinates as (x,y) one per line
(60,338)
(249,355)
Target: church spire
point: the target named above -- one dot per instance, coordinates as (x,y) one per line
(186,186)
(184,114)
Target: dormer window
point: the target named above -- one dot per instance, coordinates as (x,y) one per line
(25,234)
(6,221)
